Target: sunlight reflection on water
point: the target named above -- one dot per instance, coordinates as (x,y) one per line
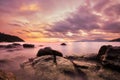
(15,56)
(73,48)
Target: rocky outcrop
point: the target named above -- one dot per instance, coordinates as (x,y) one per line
(51,65)
(44,69)
(109,56)
(102,51)
(9,38)
(28,45)
(7,75)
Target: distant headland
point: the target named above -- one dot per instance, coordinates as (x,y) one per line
(115,40)
(9,38)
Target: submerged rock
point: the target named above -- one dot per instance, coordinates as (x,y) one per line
(110,57)
(7,75)
(13,45)
(28,46)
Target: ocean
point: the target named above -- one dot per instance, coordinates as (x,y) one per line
(11,58)
(72,48)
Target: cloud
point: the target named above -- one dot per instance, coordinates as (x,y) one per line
(113,10)
(71,19)
(82,19)
(14,24)
(87,19)
(99,5)
(113,27)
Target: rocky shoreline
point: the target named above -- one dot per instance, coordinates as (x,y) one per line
(49,64)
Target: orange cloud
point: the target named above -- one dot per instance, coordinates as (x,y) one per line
(29,7)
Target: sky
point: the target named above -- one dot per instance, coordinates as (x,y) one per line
(60,20)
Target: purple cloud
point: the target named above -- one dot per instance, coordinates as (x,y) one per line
(113,27)
(99,15)
(86,20)
(83,19)
(113,10)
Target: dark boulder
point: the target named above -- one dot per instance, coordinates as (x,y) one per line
(48,51)
(63,44)
(102,51)
(28,46)
(109,56)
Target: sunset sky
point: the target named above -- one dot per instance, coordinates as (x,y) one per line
(60,20)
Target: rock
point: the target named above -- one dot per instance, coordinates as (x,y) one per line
(44,69)
(7,75)
(48,51)
(63,44)
(10,46)
(109,56)
(28,46)
(14,45)
(102,51)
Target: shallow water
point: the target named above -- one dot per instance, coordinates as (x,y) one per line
(73,48)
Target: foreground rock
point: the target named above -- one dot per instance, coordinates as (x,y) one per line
(28,46)
(110,56)
(6,75)
(45,69)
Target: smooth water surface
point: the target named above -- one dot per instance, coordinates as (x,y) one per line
(11,58)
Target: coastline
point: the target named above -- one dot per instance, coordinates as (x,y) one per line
(89,67)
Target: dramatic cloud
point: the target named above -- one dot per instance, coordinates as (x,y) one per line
(61,20)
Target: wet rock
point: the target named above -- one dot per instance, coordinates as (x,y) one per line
(63,44)
(10,46)
(6,75)
(45,69)
(13,45)
(28,46)
(48,51)
(109,56)
(16,44)
(102,51)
